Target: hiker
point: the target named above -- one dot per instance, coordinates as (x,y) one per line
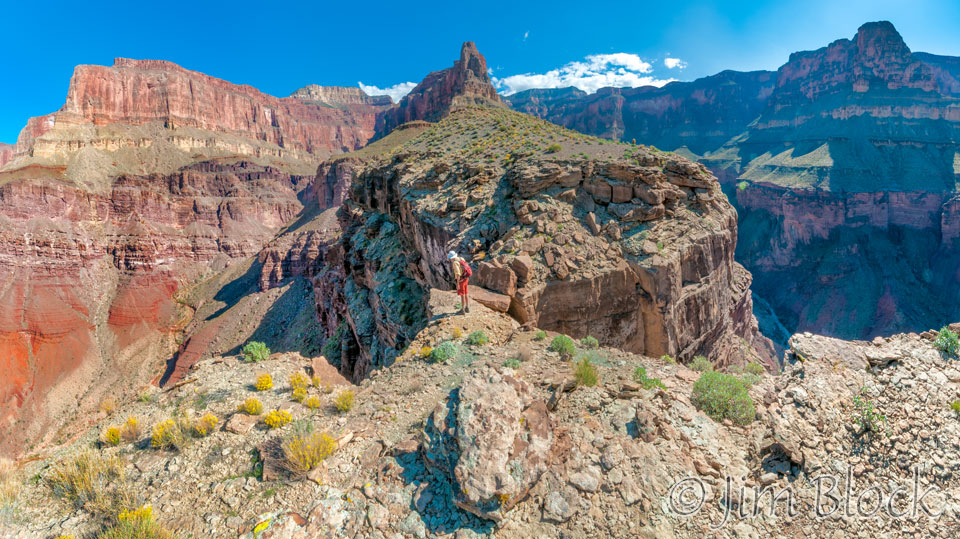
(461,273)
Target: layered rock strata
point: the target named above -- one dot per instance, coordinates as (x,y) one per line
(634,247)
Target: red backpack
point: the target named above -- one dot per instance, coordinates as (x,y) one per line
(467,272)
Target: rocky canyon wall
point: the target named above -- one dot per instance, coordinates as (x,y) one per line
(149,178)
(610,249)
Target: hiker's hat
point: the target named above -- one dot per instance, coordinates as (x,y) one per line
(451,255)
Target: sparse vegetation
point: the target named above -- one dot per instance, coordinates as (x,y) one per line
(754,368)
(312,402)
(92,482)
(667,358)
(742,185)
(278,418)
(586,373)
(723,396)
(425,352)
(251,406)
(564,346)
(299,394)
(255,352)
(512,363)
(640,377)
(589,343)
(111,436)
(524,353)
(477,338)
(554,148)
(205,425)
(136,524)
(9,485)
(701,364)
(955,406)
(264,382)
(167,434)
(344,401)
(540,335)
(457,333)
(750,379)
(305,448)
(132,429)
(947,341)
(299,380)
(108,405)
(447,350)
(866,415)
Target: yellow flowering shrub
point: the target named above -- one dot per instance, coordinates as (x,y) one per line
(264,382)
(299,394)
(112,435)
(251,406)
(205,425)
(344,401)
(278,418)
(312,402)
(303,451)
(167,435)
(298,380)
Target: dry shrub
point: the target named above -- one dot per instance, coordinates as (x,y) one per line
(93,483)
(132,430)
(108,405)
(305,449)
(167,435)
(9,485)
(136,524)
(524,353)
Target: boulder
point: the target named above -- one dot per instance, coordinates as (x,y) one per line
(492,439)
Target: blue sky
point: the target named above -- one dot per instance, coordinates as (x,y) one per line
(281,46)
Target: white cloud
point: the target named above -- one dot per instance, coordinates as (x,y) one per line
(396,92)
(526,35)
(672,63)
(621,70)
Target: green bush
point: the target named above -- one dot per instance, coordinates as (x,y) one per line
(586,373)
(589,343)
(723,396)
(563,345)
(666,358)
(554,148)
(446,350)
(955,406)
(750,379)
(255,351)
(947,341)
(866,415)
(742,185)
(754,368)
(512,363)
(540,335)
(640,377)
(477,338)
(701,363)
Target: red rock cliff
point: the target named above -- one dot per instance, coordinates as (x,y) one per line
(136,92)
(467,82)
